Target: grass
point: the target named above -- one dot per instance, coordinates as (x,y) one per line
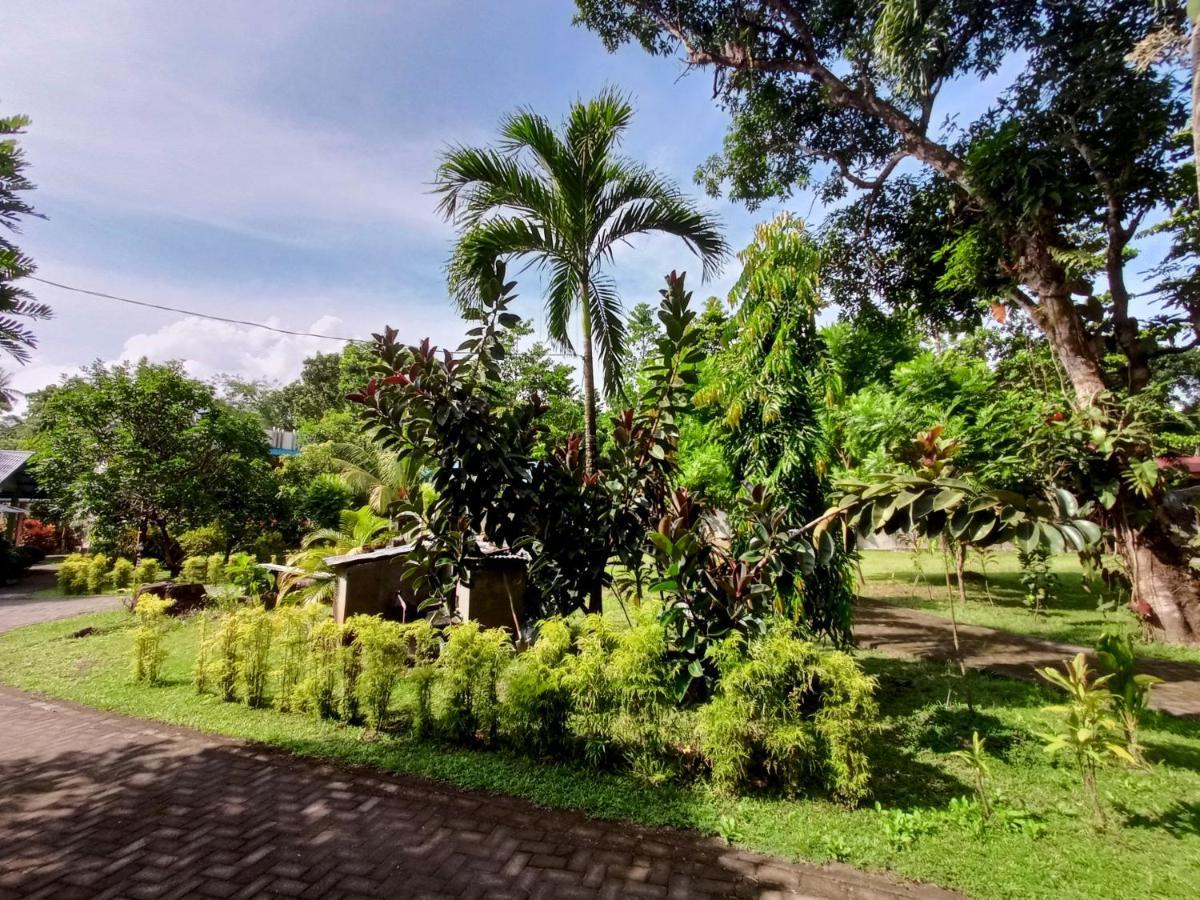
(1153,848)
(918,581)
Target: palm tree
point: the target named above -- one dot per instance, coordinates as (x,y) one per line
(15,302)
(358,531)
(564,201)
(378,474)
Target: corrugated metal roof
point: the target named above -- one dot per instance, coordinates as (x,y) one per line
(11,461)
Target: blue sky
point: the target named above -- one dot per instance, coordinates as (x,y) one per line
(271,161)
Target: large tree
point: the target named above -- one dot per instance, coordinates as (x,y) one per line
(1036,201)
(146,449)
(565,200)
(16,303)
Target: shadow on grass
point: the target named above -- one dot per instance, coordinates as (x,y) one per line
(1180,819)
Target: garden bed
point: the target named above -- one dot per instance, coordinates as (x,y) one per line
(1047,848)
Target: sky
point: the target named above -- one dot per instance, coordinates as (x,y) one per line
(271,161)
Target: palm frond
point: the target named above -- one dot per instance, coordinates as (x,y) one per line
(608,329)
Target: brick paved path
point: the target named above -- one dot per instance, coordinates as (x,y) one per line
(914,632)
(99,805)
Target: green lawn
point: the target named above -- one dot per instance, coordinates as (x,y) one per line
(919,581)
(1153,848)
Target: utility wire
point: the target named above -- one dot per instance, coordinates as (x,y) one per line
(198,315)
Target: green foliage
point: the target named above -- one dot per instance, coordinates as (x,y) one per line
(318,690)
(97,574)
(214,569)
(254,631)
(73,574)
(1088,734)
(194,570)
(129,444)
(423,646)
(15,300)
(1130,690)
(1038,580)
(121,574)
(147,571)
(977,759)
(242,572)
(204,540)
(471,662)
(217,663)
(791,711)
(293,627)
(383,653)
(148,650)
(535,700)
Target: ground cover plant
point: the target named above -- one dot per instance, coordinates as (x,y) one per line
(1040,841)
(1077,615)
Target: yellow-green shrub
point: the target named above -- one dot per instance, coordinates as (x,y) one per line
(293,625)
(423,646)
(470,664)
(382,648)
(791,711)
(148,650)
(535,701)
(195,569)
(121,574)
(73,573)
(214,570)
(147,571)
(217,662)
(253,653)
(97,574)
(318,689)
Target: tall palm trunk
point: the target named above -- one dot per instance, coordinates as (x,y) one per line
(589,381)
(596,592)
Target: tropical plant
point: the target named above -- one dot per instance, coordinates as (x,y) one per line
(121,574)
(243,572)
(535,702)
(977,759)
(318,689)
(148,651)
(358,531)
(1088,734)
(1037,578)
(381,476)
(471,662)
(791,711)
(15,302)
(1130,690)
(383,651)
(254,632)
(565,200)
(771,387)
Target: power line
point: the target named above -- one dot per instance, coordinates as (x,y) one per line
(198,315)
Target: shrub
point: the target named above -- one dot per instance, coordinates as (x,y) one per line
(1130,691)
(72,574)
(293,625)
(269,546)
(147,571)
(348,704)
(148,650)
(217,661)
(121,574)
(423,645)
(790,710)
(383,650)
(243,572)
(43,535)
(195,569)
(253,653)
(203,540)
(318,689)
(471,662)
(97,574)
(214,570)
(536,701)
(1038,580)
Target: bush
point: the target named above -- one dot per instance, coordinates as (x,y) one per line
(253,653)
(73,574)
(39,534)
(293,625)
(382,648)
(243,572)
(214,570)
(203,541)
(268,547)
(423,646)
(536,701)
(97,574)
(791,711)
(148,650)
(148,571)
(121,574)
(471,662)
(217,661)
(318,688)
(195,570)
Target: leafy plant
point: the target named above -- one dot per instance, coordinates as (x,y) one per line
(1038,580)
(976,758)
(217,660)
(242,571)
(214,569)
(147,571)
(1130,690)
(293,625)
(791,711)
(383,654)
(471,662)
(318,689)
(97,574)
(535,701)
(195,569)
(423,645)
(254,632)
(1089,734)
(121,574)
(148,651)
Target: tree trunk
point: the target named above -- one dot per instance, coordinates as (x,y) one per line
(596,593)
(1158,567)
(589,383)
